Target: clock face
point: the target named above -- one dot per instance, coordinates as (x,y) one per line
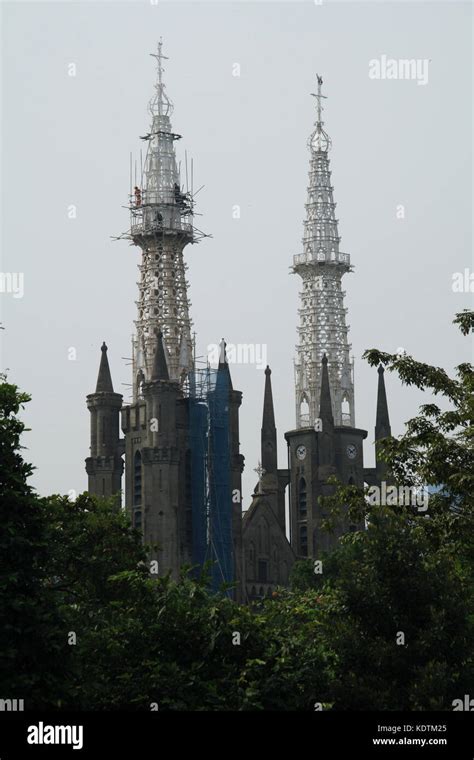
(301,452)
(351,451)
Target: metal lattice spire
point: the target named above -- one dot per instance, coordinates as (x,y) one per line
(322,328)
(161,225)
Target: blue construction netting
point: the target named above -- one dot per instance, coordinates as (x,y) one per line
(211,474)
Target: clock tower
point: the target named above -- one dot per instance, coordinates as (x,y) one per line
(325,441)
(314,455)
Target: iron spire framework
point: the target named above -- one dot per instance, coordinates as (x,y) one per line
(322,329)
(161,224)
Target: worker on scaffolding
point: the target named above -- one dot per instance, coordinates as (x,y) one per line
(138,196)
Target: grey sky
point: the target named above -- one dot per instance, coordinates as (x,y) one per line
(66,140)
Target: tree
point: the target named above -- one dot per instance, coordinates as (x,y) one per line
(30,642)
(398,600)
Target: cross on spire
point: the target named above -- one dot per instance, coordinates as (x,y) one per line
(319,140)
(160,104)
(318,97)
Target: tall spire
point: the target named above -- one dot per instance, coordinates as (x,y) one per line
(104,378)
(161,225)
(322,328)
(268,432)
(382,422)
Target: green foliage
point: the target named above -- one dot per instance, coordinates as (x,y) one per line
(29,619)
(410,572)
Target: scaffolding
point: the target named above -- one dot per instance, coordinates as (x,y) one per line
(162,213)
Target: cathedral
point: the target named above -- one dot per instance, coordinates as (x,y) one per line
(180,449)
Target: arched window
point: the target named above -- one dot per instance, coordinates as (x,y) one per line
(137,479)
(345,411)
(302,500)
(304,411)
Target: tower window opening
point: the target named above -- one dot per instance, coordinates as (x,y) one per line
(304,541)
(345,411)
(137,479)
(304,411)
(302,500)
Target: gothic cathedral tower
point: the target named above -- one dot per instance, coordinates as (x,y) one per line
(182,461)
(325,441)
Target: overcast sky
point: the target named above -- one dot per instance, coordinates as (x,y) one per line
(66,141)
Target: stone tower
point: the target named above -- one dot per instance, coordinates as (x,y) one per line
(325,441)
(104,466)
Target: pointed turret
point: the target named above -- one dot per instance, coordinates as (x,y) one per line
(104,378)
(326,440)
(325,407)
(382,422)
(160,367)
(382,425)
(223,366)
(104,466)
(268,433)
